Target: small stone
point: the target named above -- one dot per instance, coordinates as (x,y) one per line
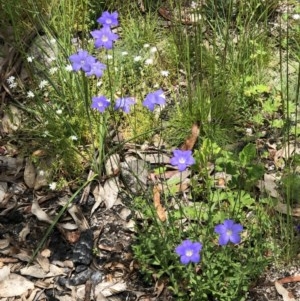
(82,253)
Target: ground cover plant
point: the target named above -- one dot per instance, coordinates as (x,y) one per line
(214,85)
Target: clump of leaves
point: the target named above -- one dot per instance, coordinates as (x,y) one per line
(196,218)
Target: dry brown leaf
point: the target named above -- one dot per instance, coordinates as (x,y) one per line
(289,279)
(167,174)
(24,232)
(68,226)
(15,285)
(284,208)
(159,287)
(286,295)
(41,180)
(76,213)
(29,174)
(111,191)
(39,213)
(11,120)
(174,188)
(110,288)
(98,193)
(106,289)
(33,294)
(23,255)
(160,210)
(4,243)
(269,185)
(39,153)
(65,298)
(283,154)
(45,283)
(86,190)
(7,260)
(43,262)
(36,271)
(4,273)
(9,205)
(101,297)
(154,157)
(191,140)
(46,253)
(3,191)
(112,165)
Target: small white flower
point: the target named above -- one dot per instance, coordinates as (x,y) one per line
(164,73)
(74,138)
(194,4)
(137,58)
(43,84)
(249,131)
(109,57)
(30,59)
(153,49)
(296,16)
(11,79)
(59,111)
(53,41)
(30,94)
(124,53)
(271,167)
(146,45)
(53,185)
(45,134)
(13,85)
(41,172)
(53,70)
(51,59)
(99,83)
(69,68)
(149,62)
(74,41)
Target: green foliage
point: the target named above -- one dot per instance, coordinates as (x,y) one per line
(291,187)
(220,267)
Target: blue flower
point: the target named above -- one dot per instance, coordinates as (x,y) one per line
(96,69)
(154,98)
(108,19)
(82,60)
(229,231)
(189,251)
(124,104)
(100,103)
(182,159)
(104,37)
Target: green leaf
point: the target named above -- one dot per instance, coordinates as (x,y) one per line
(278,123)
(247,154)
